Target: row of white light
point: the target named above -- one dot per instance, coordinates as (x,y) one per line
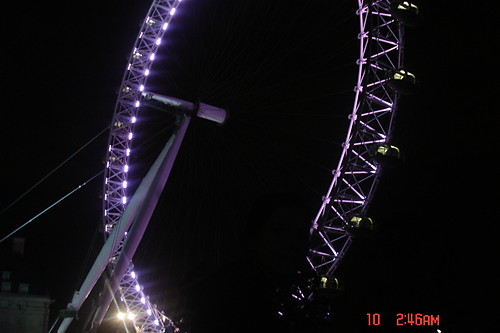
(124,184)
(130,315)
(137,103)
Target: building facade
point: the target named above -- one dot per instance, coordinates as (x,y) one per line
(24,305)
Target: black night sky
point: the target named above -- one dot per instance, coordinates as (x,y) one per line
(286,73)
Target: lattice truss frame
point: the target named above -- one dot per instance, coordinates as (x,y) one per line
(355,179)
(145,316)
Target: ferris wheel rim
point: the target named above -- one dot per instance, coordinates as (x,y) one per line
(356,176)
(153,28)
(128,103)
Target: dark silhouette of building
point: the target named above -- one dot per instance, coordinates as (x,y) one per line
(24,303)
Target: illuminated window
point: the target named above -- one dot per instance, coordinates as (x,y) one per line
(24,287)
(323,282)
(406,5)
(5,275)
(398,76)
(382,150)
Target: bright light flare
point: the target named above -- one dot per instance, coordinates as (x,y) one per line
(120,315)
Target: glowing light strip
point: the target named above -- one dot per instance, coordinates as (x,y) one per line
(138,70)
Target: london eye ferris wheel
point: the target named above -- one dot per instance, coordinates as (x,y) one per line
(290,122)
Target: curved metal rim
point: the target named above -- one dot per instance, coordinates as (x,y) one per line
(146,317)
(356,176)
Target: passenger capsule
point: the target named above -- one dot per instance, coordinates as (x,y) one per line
(360,226)
(402,81)
(407,12)
(386,155)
